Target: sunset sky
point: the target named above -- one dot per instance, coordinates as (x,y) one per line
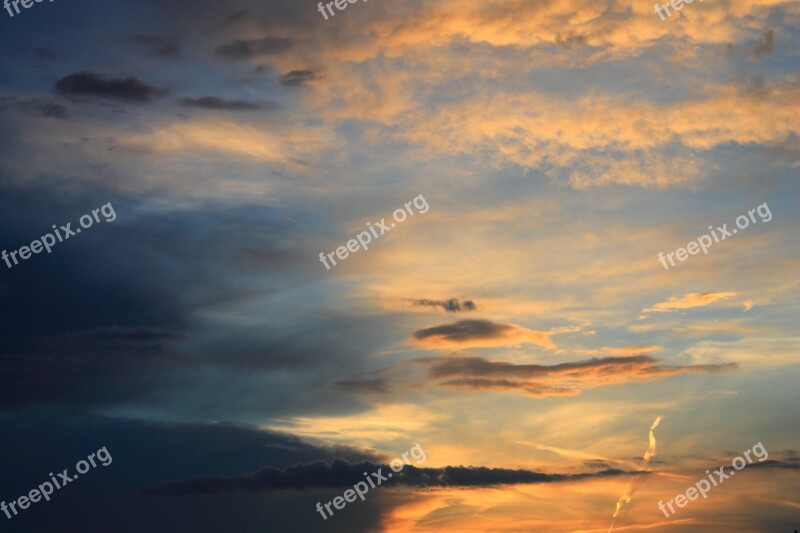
(522,330)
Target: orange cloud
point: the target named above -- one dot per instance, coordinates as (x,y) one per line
(690,300)
(633,350)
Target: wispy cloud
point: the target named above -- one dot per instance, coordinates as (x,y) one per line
(474,373)
(688,301)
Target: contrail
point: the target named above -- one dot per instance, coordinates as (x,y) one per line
(633,483)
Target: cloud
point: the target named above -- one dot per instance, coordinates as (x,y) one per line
(150,453)
(44,54)
(298,78)
(453,305)
(129,89)
(479,333)
(246,49)
(376,385)
(37,106)
(232,138)
(213,102)
(475,373)
(158,45)
(766,44)
(633,350)
(571,40)
(341,474)
(689,301)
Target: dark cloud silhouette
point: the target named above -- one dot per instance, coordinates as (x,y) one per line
(149,453)
(298,78)
(465,330)
(453,305)
(128,89)
(158,45)
(766,44)
(245,49)
(340,473)
(213,102)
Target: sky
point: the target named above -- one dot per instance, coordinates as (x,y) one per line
(547,249)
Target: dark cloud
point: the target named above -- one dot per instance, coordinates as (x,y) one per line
(340,474)
(158,45)
(453,305)
(788,464)
(570,40)
(237,17)
(298,78)
(477,366)
(120,314)
(213,102)
(52,109)
(766,44)
(376,385)
(246,49)
(464,330)
(44,54)
(35,106)
(152,453)
(128,89)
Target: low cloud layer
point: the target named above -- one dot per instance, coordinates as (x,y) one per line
(475,373)
(340,473)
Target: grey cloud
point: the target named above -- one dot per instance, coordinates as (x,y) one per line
(298,78)
(246,49)
(341,473)
(128,89)
(43,54)
(213,102)
(453,305)
(376,385)
(465,330)
(237,17)
(158,45)
(480,367)
(36,106)
(766,44)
